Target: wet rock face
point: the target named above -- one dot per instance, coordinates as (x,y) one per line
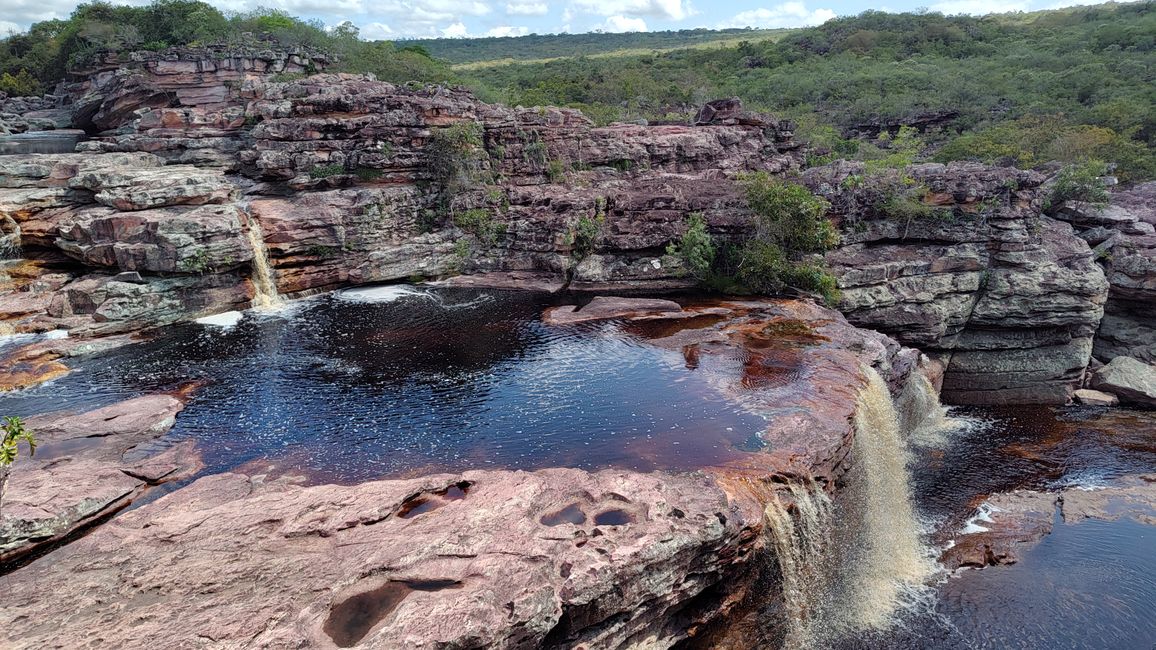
(1016,521)
(1009,299)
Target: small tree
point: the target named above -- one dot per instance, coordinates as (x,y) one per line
(696,248)
(14,432)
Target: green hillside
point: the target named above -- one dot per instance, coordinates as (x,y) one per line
(538,48)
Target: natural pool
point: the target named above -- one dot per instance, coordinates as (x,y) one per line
(394,380)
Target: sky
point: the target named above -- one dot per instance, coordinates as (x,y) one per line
(398,19)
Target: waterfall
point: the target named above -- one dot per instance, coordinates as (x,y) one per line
(264,282)
(848,566)
(800,542)
(922,417)
(891,562)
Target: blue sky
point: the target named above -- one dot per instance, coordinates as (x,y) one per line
(393,19)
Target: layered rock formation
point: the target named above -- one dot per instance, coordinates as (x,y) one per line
(346,180)
(969,271)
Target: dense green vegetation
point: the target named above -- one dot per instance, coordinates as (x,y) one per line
(554,46)
(1020,88)
(787,232)
(34,61)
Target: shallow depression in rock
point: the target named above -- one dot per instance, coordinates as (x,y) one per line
(404,380)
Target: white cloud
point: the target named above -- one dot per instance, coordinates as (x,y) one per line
(787,14)
(456,30)
(523,8)
(667,9)
(6,27)
(979,7)
(624,24)
(376,32)
(507,30)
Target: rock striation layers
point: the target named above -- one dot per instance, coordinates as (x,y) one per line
(971,272)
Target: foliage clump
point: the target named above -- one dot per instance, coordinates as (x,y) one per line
(788,232)
(13,434)
(481,223)
(1079,182)
(453,156)
(695,249)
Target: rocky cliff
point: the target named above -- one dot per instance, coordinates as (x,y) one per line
(348,180)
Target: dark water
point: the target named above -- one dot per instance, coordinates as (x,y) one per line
(1090,584)
(347,390)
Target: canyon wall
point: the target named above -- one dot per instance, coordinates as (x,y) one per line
(351,180)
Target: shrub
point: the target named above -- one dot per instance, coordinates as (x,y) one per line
(584,234)
(327,171)
(22,84)
(14,433)
(789,224)
(695,249)
(480,222)
(453,159)
(788,214)
(1079,182)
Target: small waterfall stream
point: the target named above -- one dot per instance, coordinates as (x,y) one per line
(893,562)
(264,281)
(849,566)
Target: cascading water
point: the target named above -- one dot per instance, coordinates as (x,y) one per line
(923,418)
(264,282)
(892,562)
(800,542)
(850,565)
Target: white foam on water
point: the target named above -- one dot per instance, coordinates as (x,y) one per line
(380,294)
(225,320)
(983,514)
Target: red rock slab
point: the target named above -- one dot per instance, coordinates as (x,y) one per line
(609,308)
(81,473)
(510,559)
(520,280)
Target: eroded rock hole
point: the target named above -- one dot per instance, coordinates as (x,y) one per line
(616,517)
(354,618)
(427,501)
(571,514)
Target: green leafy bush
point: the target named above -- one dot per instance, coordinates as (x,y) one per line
(696,248)
(789,226)
(453,156)
(1079,182)
(480,222)
(327,171)
(13,434)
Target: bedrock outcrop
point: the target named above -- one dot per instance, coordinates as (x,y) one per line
(194,150)
(87,467)
(550,558)
(974,274)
